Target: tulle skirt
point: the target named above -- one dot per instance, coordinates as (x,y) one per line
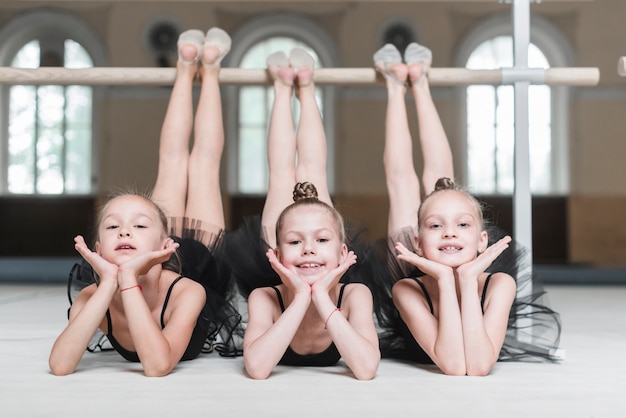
(534,329)
(200,258)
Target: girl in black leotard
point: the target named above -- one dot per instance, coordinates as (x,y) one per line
(308,318)
(453,313)
(161,286)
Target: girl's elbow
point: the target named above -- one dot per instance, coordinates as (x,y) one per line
(367,370)
(60,368)
(479,369)
(366,374)
(455,368)
(158,369)
(257,372)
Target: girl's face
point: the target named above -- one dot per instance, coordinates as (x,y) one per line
(309,243)
(130,226)
(450,230)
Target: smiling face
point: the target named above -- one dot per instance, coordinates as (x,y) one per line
(130,225)
(309,242)
(450,229)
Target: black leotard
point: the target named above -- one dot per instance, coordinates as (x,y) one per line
(329,357)
(193,348)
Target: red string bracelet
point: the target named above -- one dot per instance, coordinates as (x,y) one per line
(132,287)
(331,314)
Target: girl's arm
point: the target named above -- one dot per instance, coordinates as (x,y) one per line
(440,336)
(484,332)
(158,350)
(355,336)
(265,341)
(86,315)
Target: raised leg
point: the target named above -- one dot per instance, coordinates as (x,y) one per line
(281,146)
(170,189)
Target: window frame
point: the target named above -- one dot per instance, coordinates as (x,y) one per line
(559,53)
(263,27)
(57,25)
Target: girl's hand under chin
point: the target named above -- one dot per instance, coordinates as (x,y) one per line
(431,268)
(289,278)
(478,265)
(142,263)
(105,270)
(332,278)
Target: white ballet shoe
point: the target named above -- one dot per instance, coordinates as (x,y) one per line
(384,58)
(220,40)
(300,58)
(418,54)
(193,37)
(277,59)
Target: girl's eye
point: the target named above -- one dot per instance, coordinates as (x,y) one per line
(111,227)
(323,240)
(464,225)
(294,242)
(435,226)
(140,226)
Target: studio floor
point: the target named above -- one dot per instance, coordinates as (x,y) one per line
(591,382)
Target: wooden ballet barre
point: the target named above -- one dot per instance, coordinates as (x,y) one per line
(138,76)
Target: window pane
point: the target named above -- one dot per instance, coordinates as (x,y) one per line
(255,104)
(78,139)
(252,160)
(490,165)
(50,129)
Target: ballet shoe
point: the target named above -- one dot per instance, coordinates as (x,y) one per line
(299,59)
(193,37)
(275,62)
(220,40)
(384,58)
(277,59)
(418,54)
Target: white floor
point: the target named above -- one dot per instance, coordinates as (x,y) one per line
(591,382)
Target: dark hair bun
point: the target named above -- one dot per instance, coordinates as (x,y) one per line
(303,191)
(444,183)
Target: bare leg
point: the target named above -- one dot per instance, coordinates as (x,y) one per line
(311,138)
(281,147)
(433,139)
(402,181)
(204,200)
(170,189)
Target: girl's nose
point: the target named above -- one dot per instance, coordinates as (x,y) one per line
(449,232)
(308,248)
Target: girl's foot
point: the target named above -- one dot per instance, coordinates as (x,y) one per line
(216,45)
(419,59)
(190,46)
(388,61)
(302,63)
(278,67)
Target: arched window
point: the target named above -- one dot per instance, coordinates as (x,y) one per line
(47,137)
(489,116)
(250,106)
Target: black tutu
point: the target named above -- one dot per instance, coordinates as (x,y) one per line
(245,250)
(200,258)
(534,329)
